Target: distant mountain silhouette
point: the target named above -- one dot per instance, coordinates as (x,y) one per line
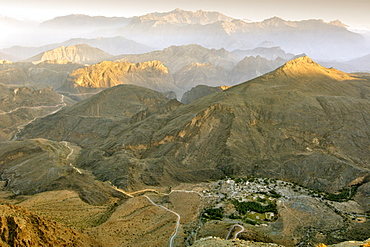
(82,54)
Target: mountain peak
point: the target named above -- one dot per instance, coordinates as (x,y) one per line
(302,60)
(274,21)
(338,23)
(304,66)
(80,53)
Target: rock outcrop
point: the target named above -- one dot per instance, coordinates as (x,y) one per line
(151,74)
(18,227)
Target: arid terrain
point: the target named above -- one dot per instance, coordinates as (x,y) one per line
(214,133)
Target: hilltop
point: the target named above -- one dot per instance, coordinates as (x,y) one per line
(82,54)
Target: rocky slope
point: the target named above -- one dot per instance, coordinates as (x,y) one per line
(214,241)
(34,166)
(200,91)
(22,105)
(19,227)
(152,74)
(44,74)
(295,123)
(82,54)
(301,123)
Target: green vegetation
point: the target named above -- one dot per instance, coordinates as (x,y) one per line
(344,195)
(245,207)
(274,194)
(249,221)
(234,217)
(259,199)
(213,213)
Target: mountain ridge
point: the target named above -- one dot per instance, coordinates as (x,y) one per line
(266,112)
(80,53)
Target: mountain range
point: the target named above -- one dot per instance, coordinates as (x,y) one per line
(82,54)
(302,123)
(265,146)
(318,39)
(276,140)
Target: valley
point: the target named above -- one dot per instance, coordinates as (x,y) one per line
(189,208)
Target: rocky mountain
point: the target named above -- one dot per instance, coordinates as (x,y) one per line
(152,74)
(112,45)
(49,166)
(23,53)
(82,54)
(315,37)
(301,123)
(289,132)
(200,91)
(176,57)
(252,67)
(185,70)
(321,40)
(22,105)
(179,16)
(20,227)
(300,32)
(200,74)
(42,75)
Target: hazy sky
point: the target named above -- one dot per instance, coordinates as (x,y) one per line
(351,12)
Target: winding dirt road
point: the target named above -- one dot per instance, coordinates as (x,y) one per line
(236,234)
(177,222)
(69,155)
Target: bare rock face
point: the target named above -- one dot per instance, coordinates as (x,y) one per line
(152,74)
(19,227)
(82,54)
